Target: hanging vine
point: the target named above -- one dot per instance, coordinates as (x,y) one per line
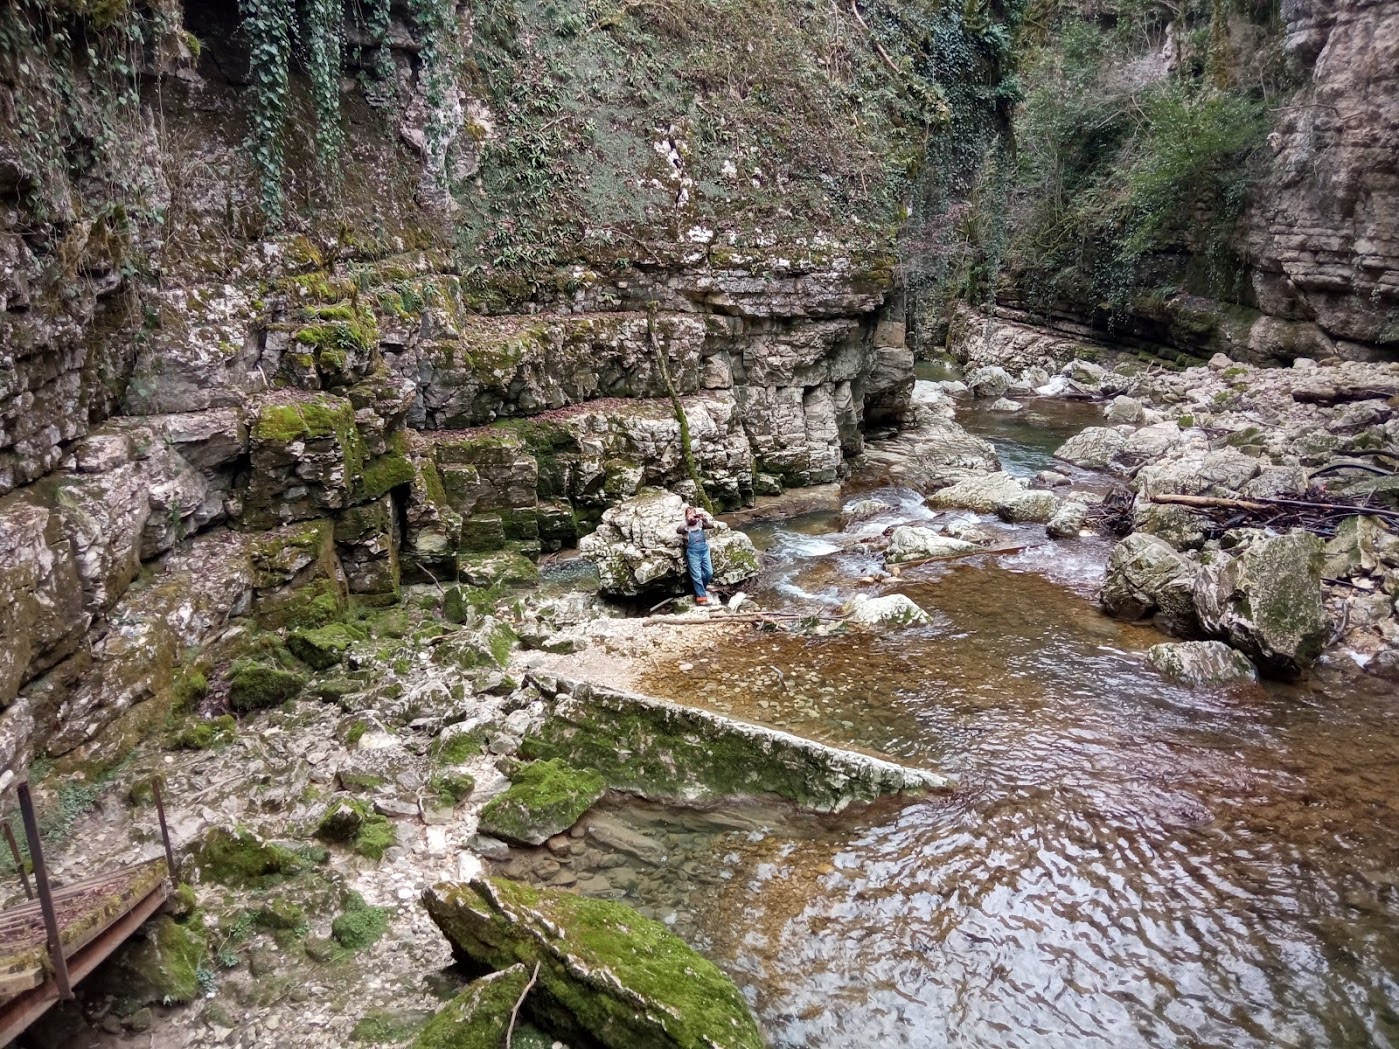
(268,25)
(325,36)
(375,57)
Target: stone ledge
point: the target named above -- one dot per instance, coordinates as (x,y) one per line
(665,751)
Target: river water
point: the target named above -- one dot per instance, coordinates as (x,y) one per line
(1124,862)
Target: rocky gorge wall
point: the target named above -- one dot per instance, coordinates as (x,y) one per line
(1220,178)
(204,416)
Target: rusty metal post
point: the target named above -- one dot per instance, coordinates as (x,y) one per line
(41,882)
(164,831)
(19,860)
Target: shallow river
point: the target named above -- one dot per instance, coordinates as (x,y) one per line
(1124,862)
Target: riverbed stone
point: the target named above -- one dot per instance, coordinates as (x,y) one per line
(1123,409)
(991,381)
(1201,663)
(914,543)
(605,972)
(1146,576)
(1267,602)
(889,610)
(1067,521)
(1092,448)
(544,798)
(1029,507)
(981,493)
(667,752)
(1182,527)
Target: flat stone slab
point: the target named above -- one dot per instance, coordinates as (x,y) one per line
(665,751)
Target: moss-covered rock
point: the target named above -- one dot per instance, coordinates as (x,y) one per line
(356,823)
(544,799)
(665,751)
(479,1017)
(1201,663)
(507,567)
(1267,602)
(322,647)
(389,1026)
(486,645)
(197,733)
(160,967)
(605,972)
(452,787)
(241,859)
(280,913)
(254,686)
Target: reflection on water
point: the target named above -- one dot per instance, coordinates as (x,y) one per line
(1025,440)
(1124,863)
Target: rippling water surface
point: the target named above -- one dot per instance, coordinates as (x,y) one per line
(1125,862)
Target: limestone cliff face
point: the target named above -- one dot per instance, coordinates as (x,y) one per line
(202,416)
(1221,178)
(1324,229)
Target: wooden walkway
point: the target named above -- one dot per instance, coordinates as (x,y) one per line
(50,943)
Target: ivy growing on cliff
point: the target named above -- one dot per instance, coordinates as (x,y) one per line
(312,34)
(268,25)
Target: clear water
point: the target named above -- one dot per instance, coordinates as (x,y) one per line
(1125,862)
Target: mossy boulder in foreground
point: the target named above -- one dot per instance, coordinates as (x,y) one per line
(159,966)
(605,972)
(544,799)
(479,1017)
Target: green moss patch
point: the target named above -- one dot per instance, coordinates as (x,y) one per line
(354,822)
(388,1026)
(323,647)
(280,914)
(241,859)
(256,686)
(605,972)
(544,798)
(451,788)
(316,417)
(359,925)
(198,733)
(158,968)
(479,1017)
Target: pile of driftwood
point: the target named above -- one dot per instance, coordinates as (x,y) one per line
(1316,513)
(1113,516)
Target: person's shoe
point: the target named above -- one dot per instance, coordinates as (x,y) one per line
(701,600)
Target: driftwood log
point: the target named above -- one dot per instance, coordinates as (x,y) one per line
(1322,516)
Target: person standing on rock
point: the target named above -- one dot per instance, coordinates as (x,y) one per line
(697,557)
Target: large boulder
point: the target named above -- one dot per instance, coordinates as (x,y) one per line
(480,1016)
(990,381)
(931,452)
(983,493)
(1037,507)
(1068,521)
(1268,602)
(1146,576)
(912,543)
(1201,663)
(1093,447)
(637,551)
(606,974)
